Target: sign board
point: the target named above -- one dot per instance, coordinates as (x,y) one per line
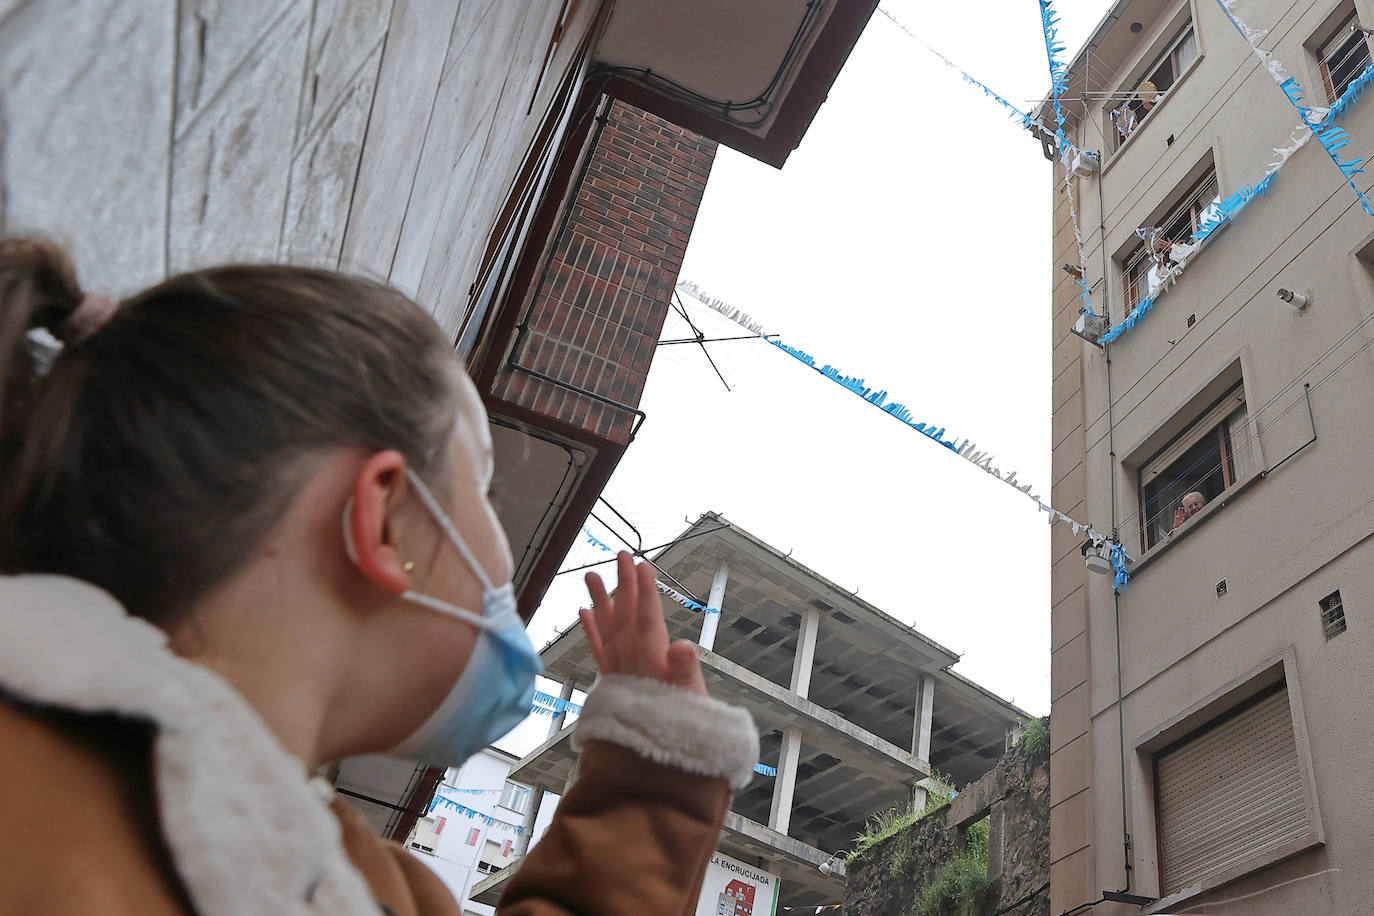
(732,888)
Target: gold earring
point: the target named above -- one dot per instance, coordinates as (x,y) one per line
(407,566)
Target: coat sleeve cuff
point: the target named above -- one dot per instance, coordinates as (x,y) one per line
(670,726)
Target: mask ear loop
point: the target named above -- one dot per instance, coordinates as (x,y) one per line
(445,523)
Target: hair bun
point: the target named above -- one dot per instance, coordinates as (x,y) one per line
(38,273)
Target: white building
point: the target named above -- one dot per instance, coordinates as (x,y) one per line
(476,825)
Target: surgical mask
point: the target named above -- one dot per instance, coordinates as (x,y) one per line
(495,691)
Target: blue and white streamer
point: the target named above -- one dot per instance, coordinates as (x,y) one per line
(672,593)
(559,704)
(1025,118)
(1224,211)
(1059,71)
(1332,138)
(471,813)
(965,449)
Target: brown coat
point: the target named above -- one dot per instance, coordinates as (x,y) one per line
(79,821)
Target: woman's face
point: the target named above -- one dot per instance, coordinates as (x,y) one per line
(427,650)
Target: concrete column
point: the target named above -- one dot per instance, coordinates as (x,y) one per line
(920,734)
(710,619)
(565,692)
(785,783)
(924,709)
(803,661)
(522,843)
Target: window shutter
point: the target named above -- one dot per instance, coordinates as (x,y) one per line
(1233,792)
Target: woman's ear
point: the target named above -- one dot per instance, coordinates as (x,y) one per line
(366,525)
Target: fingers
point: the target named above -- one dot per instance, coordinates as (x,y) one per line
(650,630)
(625,636)
(684,669)
(604,621)
(593,637)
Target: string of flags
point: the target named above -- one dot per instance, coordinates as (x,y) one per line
(965,449)
(472,813)
(670,592)
(1332,138)
(1027,121)
(811,909)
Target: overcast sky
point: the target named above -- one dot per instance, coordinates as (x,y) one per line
(906,241)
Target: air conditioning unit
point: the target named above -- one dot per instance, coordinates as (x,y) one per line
(1084,164)
(1090,327)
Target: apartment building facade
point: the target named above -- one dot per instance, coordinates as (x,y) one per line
(1211,717)
(528,170)
(855,708)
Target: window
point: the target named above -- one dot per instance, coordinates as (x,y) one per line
(425,835)
(1204,461)
(492,858)
(1163,73)
(516,798)
(1230,792)
(1344,57)
(1196,206)
(1333,615)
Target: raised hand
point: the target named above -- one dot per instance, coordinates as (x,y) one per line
(627,634)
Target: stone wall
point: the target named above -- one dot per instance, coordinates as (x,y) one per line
(1015,797)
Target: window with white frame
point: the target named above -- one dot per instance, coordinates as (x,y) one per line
(1230,792)
(1135,108)
(1149,262)
(1343,56)
(515,797)
(495,856)
(1196,467)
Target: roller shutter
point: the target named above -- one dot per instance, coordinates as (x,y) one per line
(1232,792)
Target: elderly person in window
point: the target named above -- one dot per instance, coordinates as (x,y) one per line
(1192,504)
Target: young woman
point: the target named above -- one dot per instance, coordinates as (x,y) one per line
(244,522)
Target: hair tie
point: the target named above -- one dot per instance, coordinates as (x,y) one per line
(90,316)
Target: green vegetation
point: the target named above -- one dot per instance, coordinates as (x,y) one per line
(1035,741)
(961,886)
(880,826)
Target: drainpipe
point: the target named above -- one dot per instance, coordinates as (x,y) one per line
(1116,537)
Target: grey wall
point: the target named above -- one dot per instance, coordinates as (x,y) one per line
(152,137)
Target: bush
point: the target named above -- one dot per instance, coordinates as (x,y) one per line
(1035,740)
(960,886)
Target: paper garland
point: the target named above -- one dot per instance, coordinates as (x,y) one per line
(1025,118)
(471,813)
(965,449)
(558,704)
(672,593)
(1332,138)
(1059,80)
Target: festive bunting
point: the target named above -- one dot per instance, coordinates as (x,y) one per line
(1333,139)
(557,703)
(965,449)
(1024,117)
(672,593)
(1220,214)
(471,812)
(1059,71)
(765,770)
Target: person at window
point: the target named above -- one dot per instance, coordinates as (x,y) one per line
(1130,115)
(245,532)
(1191,505)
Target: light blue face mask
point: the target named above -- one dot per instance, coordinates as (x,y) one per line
(496,689)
